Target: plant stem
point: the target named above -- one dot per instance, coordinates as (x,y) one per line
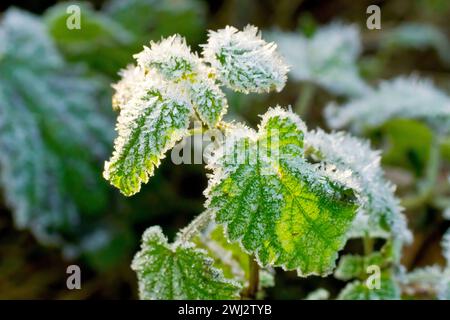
(429,182)
(368,244)
(253,284)
(192,229)
(305,98)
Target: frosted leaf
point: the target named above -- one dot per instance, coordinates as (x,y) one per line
(208,100)
(131,77)
(284,210)
(379,209)
(52,138)
(172,57)
(327,59)
(178,271)
(365,225)
(230,257)
(354,266)
(319,294)
(418,36)
(149,124)
(25,38)
(358,290)
(430,282)
(406,98)
(243,61)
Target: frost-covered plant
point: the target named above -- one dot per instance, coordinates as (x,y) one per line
(327,59)
(278,196)
(51,136)
(403,97)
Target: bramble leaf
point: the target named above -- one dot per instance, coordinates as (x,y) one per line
(171,56)
(178,271)
(418,36)
(230,257)
(379,209)
(52,138)
(328,58)
(243,61)
(354,266)
(284,210)
(100,42)
(154,118)
(400,98)
(155,19)
(357,290)
(208,100)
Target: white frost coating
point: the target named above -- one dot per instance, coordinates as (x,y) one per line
(403,97)
(375,193)
(208,99)
(131,77)
(244,61)
(172,57)
(161,100)
(282,113)
(25,38)
(327,59)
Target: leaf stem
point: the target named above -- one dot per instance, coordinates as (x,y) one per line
(428,185)
(253,284)
(198,224)
(307,91)
(368,244)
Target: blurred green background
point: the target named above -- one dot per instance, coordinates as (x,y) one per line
(97,228)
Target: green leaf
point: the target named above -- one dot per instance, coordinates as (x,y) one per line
(354,266)
(52,138)
(156,19)
(379,213)
(178,271)
(284,210)
(328,58)
(100,42)
(150,123)
(400,98)
(243,61)
(357,290)
(418,36)
(409,144)
(230,257)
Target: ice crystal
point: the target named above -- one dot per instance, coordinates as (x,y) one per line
(403,97)
(244,61)
(327,59)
